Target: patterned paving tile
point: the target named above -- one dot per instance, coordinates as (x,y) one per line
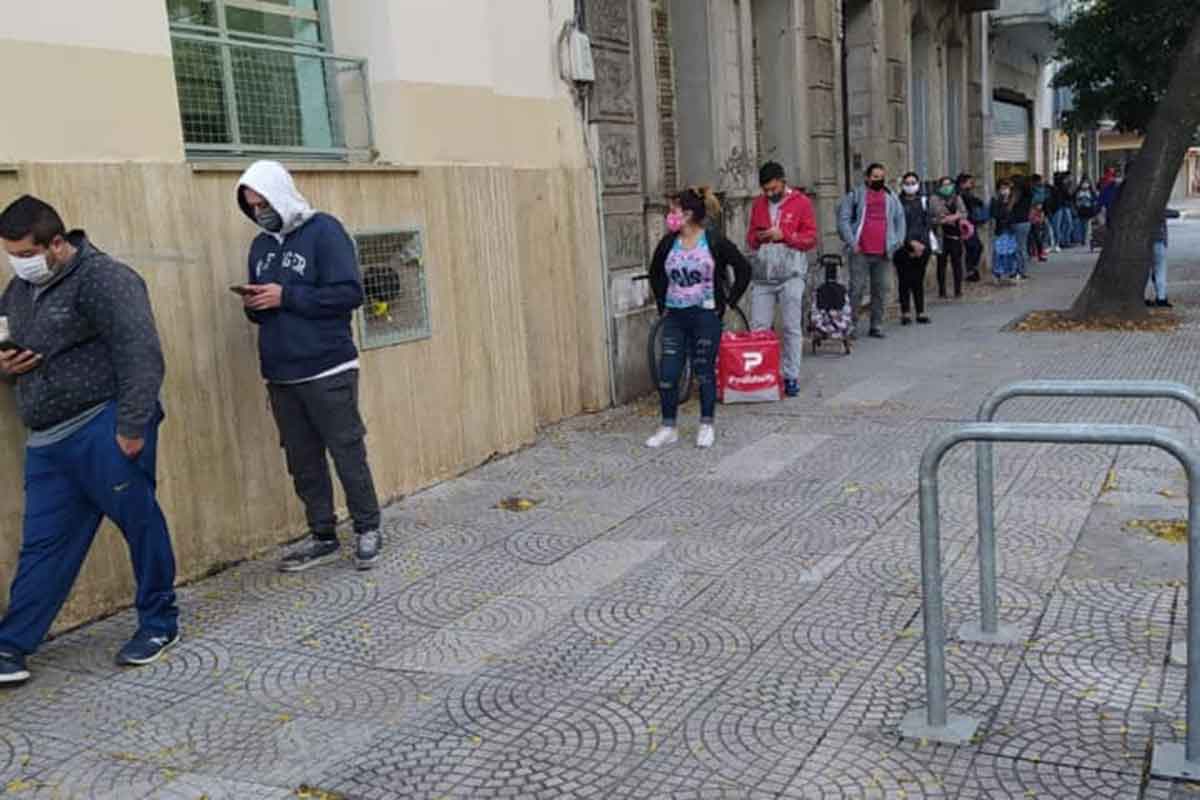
(742,623)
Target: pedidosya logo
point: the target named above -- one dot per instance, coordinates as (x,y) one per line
(751,360)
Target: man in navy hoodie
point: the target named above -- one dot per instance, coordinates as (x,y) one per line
(304,285)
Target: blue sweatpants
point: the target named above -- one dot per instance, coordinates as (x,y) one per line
(70,486)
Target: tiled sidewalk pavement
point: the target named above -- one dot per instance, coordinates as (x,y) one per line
(742,623)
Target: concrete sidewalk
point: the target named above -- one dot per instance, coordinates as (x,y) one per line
(740,623)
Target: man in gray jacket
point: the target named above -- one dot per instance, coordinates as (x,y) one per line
(80,344)
(871,224)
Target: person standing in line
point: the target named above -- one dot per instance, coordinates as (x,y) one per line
(871,225)
(948,214)
(1022,210)
(86,362)
(689,276)
(304,285)
(1064,214)
(1041,240)
(912,257)
(1037,233)
(1086,206)
(1158,273)
(783,229)
(1005,261)
(977,212)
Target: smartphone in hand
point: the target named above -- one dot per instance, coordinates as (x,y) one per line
(244,291)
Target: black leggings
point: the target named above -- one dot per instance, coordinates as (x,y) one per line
(910,270)
(952,251)
(973,248)
(1038,239)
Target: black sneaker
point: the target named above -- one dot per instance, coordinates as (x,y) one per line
(312,552)
(791,387)
(12,669)
(876,334)
(923,320)
(366,549)
(1164,304)
(906,320)
(1149,304)
(145,648)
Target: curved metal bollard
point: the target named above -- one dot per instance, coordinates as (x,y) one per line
(988,629)
(932,722)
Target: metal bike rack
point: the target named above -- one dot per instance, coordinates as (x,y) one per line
(932,722)
(988,630)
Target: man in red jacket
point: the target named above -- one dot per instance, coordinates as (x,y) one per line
(782,231)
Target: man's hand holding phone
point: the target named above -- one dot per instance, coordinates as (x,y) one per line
(18,361)
(260,297)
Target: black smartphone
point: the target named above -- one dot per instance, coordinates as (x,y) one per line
(244,291)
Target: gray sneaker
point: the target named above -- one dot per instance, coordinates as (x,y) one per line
(312,552)
(366,550)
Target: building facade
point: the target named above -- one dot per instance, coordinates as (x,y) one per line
(504,206)
(445,138)
(700,92)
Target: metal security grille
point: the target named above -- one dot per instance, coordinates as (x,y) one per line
(393,272)
(1010,132)
(256,78)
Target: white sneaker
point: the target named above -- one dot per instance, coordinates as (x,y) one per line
(706,436)
(663,437)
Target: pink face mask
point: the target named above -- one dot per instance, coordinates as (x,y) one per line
(675,221)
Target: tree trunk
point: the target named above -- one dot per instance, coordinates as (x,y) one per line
(1117,285)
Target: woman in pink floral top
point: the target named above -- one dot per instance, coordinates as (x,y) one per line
(689,277)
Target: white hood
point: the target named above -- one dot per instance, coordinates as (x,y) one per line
(273,182)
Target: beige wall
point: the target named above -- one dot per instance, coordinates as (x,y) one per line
(465,81)
(468,81)
(104,91)
(517,341)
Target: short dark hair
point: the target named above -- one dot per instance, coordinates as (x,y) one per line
(963,177)
(27,215)
(771,171)
(910,174)
(874,166)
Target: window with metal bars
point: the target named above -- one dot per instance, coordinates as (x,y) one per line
(256,76)
(393,272)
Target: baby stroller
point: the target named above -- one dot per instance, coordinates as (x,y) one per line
(831,313)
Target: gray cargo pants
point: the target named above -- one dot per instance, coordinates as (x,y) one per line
(320,417)
(864,270)
(790,294)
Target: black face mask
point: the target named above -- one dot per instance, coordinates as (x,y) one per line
(777,197)
(269,218)
(876,185)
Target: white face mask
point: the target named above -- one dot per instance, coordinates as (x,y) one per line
(33,269)
(911,188)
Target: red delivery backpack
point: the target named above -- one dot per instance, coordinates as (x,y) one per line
(748,368)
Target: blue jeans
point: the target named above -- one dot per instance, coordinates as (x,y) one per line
(695,333)
(1021,232)
(1158,274)
(70,486)
(1064,227)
